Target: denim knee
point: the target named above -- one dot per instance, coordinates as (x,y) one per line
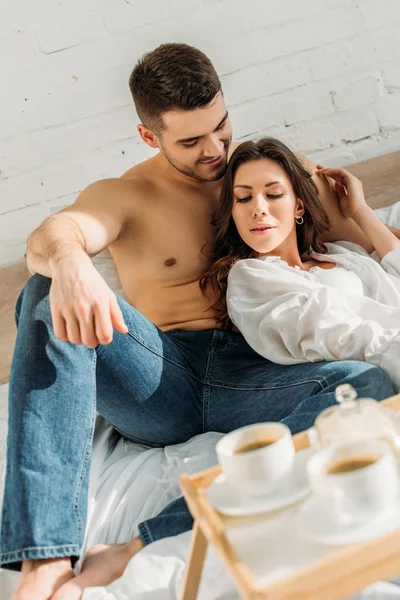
(368,380)
(376,383)
(35,293)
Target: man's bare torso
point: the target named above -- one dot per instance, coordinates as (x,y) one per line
(162,250)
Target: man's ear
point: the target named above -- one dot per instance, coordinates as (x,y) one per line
(300,209)
(148,136)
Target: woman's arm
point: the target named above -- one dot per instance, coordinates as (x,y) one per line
(341,228)
(353,205)
(383,240)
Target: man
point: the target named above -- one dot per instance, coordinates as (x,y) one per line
(167,372)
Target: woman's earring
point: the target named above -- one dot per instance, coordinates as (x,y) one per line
(300,221)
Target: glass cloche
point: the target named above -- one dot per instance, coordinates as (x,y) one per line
(354,419)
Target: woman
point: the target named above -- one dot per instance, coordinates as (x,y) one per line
(294,298)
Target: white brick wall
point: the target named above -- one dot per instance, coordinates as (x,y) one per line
(323,75)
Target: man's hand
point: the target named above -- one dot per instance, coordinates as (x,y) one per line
(83,308)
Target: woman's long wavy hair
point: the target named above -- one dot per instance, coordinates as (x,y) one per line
(229,246)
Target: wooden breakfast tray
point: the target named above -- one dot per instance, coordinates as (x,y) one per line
(335,574)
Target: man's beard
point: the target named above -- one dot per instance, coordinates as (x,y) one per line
(193,173)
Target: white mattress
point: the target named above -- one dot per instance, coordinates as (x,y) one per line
(129,483)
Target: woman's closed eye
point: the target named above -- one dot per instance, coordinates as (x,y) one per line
(270,196)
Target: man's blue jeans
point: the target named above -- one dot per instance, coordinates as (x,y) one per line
(153,387)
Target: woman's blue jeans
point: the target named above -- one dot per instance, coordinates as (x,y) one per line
(154,388)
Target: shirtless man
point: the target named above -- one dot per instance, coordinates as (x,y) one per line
(158,368)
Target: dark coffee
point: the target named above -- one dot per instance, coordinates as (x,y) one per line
(255,445)
(352,463)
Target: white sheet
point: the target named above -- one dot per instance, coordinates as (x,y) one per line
(132,482)
(129,483)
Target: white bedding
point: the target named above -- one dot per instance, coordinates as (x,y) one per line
(130,483)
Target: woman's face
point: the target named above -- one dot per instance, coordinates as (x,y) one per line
(265,207)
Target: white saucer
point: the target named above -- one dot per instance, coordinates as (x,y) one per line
(230,501)
(316,523)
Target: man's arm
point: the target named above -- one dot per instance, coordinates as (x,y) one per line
(91,224)
(84,309)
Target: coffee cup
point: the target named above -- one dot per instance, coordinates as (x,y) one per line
(255,458)
(356,481)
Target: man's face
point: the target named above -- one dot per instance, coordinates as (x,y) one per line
(196,142)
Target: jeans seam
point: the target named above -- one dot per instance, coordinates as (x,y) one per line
(135,439)
(16,555)
(164,356)
(88,450)
(206,402)
(299,408)
(206,390)
(253,388)
(210,359)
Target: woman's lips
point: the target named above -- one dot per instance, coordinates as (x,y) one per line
(262,230)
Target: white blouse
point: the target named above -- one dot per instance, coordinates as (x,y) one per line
(351,311)
(339,278)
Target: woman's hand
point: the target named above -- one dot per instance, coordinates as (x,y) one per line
(352,204)
(348,188)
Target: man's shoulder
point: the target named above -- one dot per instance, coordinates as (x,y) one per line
(142,173)
(134,183)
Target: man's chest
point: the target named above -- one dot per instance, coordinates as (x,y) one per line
(170,242)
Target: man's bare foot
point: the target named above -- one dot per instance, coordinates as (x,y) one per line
(103,564)
(41,578)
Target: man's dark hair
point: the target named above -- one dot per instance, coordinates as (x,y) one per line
(172,77)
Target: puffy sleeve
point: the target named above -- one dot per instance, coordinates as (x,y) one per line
(391,262)
(289,318)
